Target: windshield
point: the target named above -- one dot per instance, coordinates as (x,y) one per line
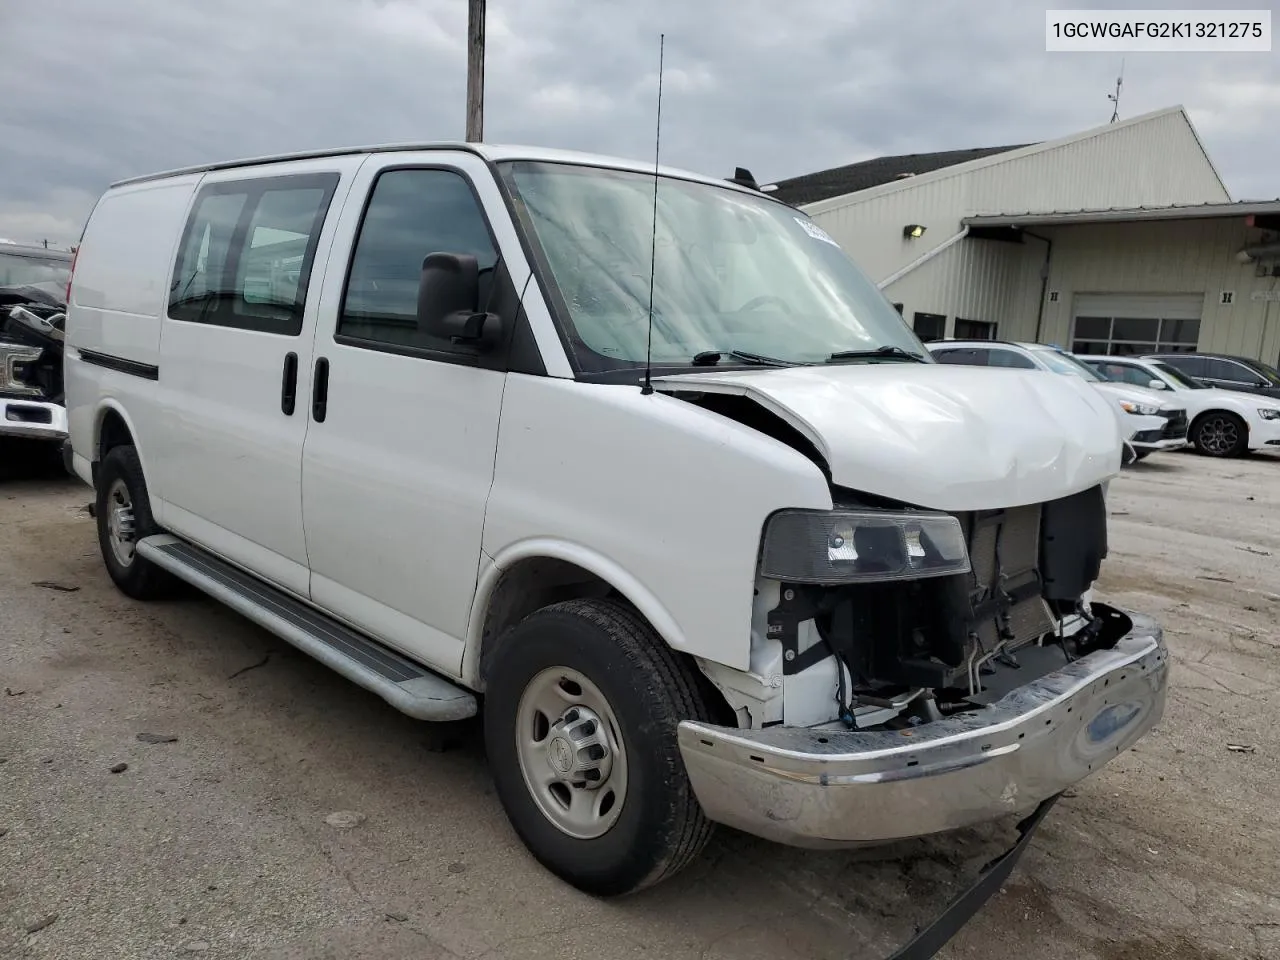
(1060,362)
(49,274)
(731,272)
(1177,376)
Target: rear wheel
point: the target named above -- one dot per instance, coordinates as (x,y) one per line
(124,517)
(580,711)
(1220,434)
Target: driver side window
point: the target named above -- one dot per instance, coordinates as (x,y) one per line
(411,213)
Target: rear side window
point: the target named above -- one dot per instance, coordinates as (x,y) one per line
(411,213)
(1230,370)
(247,252)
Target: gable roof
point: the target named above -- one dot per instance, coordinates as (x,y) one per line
(957,162)
(853,177)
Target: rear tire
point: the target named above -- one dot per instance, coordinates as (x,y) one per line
(124,517)
(620,693)
(1220,434)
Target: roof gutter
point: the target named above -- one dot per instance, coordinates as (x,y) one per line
(921,260)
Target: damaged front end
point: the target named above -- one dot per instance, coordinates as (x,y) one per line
(32,331)
(935,670)
(932,614)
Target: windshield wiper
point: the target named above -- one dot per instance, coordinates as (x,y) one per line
(709,358)
(887,352)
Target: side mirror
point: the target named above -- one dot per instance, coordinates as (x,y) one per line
(449,301)
(1156,384)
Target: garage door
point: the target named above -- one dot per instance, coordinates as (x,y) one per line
(1122,324)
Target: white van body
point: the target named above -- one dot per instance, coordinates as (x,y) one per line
(431,501)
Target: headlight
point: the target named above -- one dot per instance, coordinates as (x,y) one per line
(1141,409)
(839,546)
(1269,413)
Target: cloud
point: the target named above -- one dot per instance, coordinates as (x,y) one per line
(98,91)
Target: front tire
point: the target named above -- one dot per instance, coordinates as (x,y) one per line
(124,517)
(1220,434)
(580,712)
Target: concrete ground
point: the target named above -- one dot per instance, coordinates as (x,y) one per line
(295,816)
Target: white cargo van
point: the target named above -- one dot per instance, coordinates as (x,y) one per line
(396,405)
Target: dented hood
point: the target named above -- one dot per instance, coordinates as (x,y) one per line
(944,436)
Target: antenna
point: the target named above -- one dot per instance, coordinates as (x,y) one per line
(653,241)
(1115,97)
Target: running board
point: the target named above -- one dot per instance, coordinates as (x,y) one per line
(408,687)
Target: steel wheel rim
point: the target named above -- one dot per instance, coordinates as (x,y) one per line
(565,730)
(120,523)
(1219,435)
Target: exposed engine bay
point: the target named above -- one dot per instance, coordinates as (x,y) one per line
(32,324)
(915,650)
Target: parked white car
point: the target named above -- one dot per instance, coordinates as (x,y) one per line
(1224,423)
(789,575)
(1149,421)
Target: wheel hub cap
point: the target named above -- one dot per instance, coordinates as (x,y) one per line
(578,749)
(571,753)
(120,522)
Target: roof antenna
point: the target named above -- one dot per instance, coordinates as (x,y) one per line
(653,242)
(1115,97)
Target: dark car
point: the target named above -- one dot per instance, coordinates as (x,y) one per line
(33,283)
(1226,371)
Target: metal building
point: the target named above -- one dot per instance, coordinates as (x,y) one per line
(1120,239)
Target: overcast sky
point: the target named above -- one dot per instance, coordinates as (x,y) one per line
(96,90)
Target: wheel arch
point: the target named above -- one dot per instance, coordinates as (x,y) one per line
(1199,418)
(113,427)
(529,576)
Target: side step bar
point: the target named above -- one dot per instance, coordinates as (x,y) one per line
(408,687)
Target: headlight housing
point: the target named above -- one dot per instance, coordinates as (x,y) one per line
(1139,409)
(861,546)
(1269,413)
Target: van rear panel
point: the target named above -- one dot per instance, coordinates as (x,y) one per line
(121,284)
(119,294)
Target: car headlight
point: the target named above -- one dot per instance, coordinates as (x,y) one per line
(1269,413)
(871,546)
(1140,409)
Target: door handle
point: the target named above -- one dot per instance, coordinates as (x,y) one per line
(320,390)
(289,384)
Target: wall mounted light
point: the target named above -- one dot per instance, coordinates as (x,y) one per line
(913,231)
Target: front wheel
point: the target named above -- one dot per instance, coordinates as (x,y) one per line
(1219,434)
(580,713)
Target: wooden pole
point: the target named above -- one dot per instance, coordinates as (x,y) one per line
(475,71)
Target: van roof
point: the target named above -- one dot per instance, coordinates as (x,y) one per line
(490,152)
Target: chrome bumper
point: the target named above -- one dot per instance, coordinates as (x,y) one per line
(36,419)
(832,788)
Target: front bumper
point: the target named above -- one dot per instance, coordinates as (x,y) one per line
(832,788)
(1264,433)
(36,419)
(1159,444)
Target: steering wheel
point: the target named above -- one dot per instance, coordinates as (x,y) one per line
(756,302)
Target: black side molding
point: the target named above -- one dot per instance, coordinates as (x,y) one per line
(147,371)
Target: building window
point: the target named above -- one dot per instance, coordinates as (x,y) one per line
(974,330)
(245,258)
(1133,336)
(929,326)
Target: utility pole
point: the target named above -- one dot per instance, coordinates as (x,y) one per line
(475,71)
